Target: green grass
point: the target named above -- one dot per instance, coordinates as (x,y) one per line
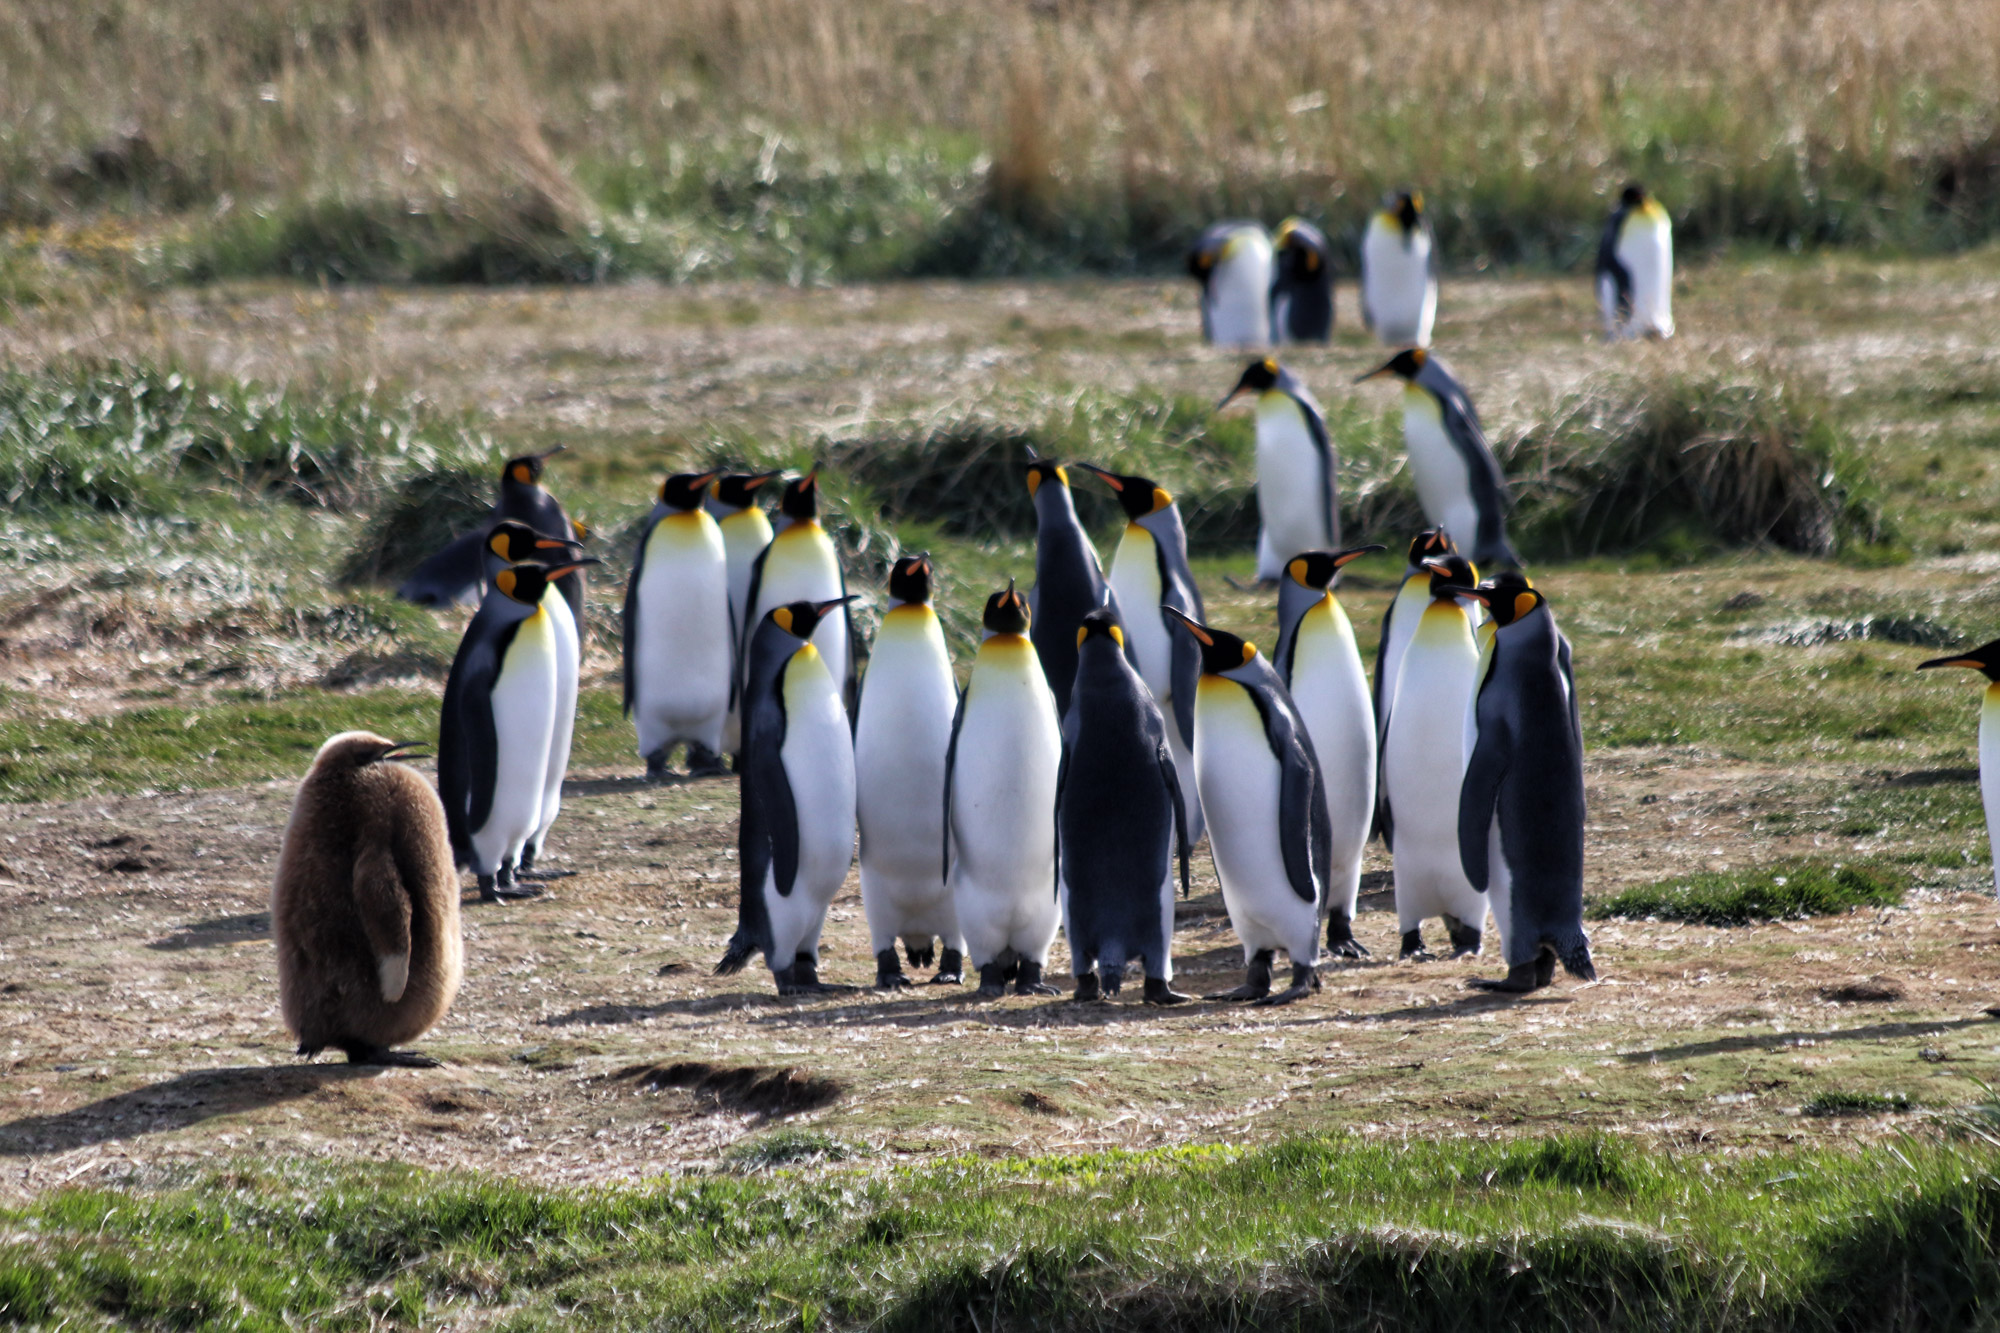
(1787,890)
(1837,1102)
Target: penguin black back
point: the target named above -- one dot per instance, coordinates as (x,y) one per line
(1302,290)
(1069,583)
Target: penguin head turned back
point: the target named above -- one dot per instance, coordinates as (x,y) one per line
(1006,612)
(1044,469)
(1632,197)
(526,581)
(684,490)
(1984,659)
(910,579)
(1431,542)
(1318,569)
(1405,208)
(1510,597)
(800,619)
(739,490)
(1301,248)
(514,541)
(1405,365)
(1139,497)
(1221,651)
(800,502)
(1451,575)
(527,469)
(353,750)
(1101,624)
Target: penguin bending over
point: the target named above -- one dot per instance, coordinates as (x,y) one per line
(1635,268)
(1302,292)
(364,911)
(1298,488)
(1119,822)
(679,657)
(801,565)
(732,503)
(1233,263)
(1521,808)
(1399,625)
(1459,482)
(1267,823)
(456,575)
(1399,286)
(1069,583)
(1000,806)
(1985,659)
(795,838)
(901,735)
(1320,664)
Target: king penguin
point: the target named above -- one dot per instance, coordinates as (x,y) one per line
(1150,570)
(1264,793)
(1234,264)
(1459,482)
(1298,489)
(801,565)
(795,837)
(1119,822)
(1302,292)
(497,725)
(902,732)
(1423,762)
(1000,805)
(1521,807)
(1069,582)
(1399,286)
(678,653)
(746,531)
(1320,664)
(456,575)
(1985,659)
(1635,268)
(1399,625)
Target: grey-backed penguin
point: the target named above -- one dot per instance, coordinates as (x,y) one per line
(746,531)
(1320,664)
(795,838)
(902,733)
(1267,824)
(801,565)
(1234,264)
(1399,625)
(1069,583)
(1000,805)
(1985,659)
(456,575)
(1521,807)
(1459,482)
(1302,291)
(1399,285)
(364,911)
(1119,822)
(1635,268)
(1150,570)
(1298,488)
(679,659)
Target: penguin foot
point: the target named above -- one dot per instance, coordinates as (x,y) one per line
(1110,979)
(541,875)
(1160,991)
(1518,981)
(1087,989)
(1340,941)
(992,981)
(951,969)
(920,955)
(1256,984)
(1029,981)
(704,762)
(1464,938)
(1305,980)
(656,765)
(1413,947)
(490,892)
(361,1053)
(888,972)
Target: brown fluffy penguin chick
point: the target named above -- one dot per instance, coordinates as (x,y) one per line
(365,909)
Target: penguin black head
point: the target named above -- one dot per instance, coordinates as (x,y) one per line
(801,498)
(1101,623)
(514,541)
(800,619)
(1404,365)
(1431,542)
(1407,207)
(1632,196)
(738,490)
(527,469)
(1044,469)
(683,490)
(1260,375)
(1450,574)
(351,750)
(1509,596)
(1138,496)
(1318,569)
(1221,651)
(1299,244)
(910,578)
(1006,612)
(527,581)
(1984,659)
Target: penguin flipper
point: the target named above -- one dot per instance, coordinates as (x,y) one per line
(1569,680)
(951,766)
(1173,781)
(1329,465)
(1479,793)
(451,576)
(382,901)
(1062,780)
(1184,673)
(1298,783)
(749,625)
(631,622)
(1378,688)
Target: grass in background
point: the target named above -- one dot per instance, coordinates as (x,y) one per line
(1789,890)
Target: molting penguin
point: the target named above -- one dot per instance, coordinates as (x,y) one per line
(679,658)
(1635,268)
(1985,659)
(365,908)
(801,565)
(795,838)
(1069,583)
(1320,664)
(1399,625)
(1150,570)
(1267,824)
(1233,263)
(1459,482)
(732,503)
(1302,293)
(902,732)
(1399,286)
(1298,490)
(1000,805)
(1521,808)
(456,575)
(1119,822)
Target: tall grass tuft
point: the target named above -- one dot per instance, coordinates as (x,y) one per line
(1787,890)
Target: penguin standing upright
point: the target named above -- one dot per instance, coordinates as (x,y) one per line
(801,565)
(1267,823)
(1302,292)
(678,654)
(1399,286)
(732,503)
(1069,583)
(1119,822)
(1423,762)
(1521,807)
(1320,664)
(456,575)
(1298,488)
(902,732)
(795,837)
(1459,482)
(1150,570)
(1000,805)
(1233,262)
(1399,625)
(1985,659)
(1635,268)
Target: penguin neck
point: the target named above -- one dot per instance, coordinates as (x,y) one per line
(787,525)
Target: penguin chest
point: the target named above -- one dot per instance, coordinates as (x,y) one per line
(802,566)
(901,735)
(1423,754)
(1330,689)
(1408,609)
(744,537)
(1003,779)
(524,710)
(1438,466)
(819,766)
(682,645)
(1239,293)
(1646,250)
(1135,578)
(1239,779)
(1397,291)
(1291,478)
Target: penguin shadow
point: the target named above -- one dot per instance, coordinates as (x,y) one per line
(636,783)
(611,1015)
(160,1108)
(217,931)
(1767,1041)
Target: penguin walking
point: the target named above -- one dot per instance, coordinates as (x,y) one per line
(679,658)
(1298,489)
(1320,664)
(1302,291)
(902,733)
(1521,807)
(1399,626)
(795,838)
(1635,268)
(456,575)
(364,910)
(1263,790)
(1000,805)
(1119,822)
(1069,582)
(1234,264)
(1459,482)
(801,565)
(497,726)
(1399,286)
(1150,570)
(1985,659)
(746,531)
(1423,763)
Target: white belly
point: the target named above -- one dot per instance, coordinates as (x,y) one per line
(1423,763)
(744,536)
(901,734)
(1443,480)
(1239,294)
(1291,480)
(803,567)
(1239,779)
(1411,599)
(563,626)
(1500,893)
(818,755)
(1135,578)
(1397,289)
(524,714)
(683,652)
(1646,249)
(1330,688)
(1989,773)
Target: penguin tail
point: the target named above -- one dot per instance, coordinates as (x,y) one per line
(735,956)
(1573,952)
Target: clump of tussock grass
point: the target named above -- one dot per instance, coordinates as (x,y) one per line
(1788,890)
(1841,1101)
(415,518)
(1572,1161)
(785,1147)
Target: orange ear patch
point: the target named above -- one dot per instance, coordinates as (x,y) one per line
(1161,498)
(1118,636)
(522,474)
(1082,633)
(783,615)
(504,581)
(1034,482)
(1249,650)
(1524,602)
